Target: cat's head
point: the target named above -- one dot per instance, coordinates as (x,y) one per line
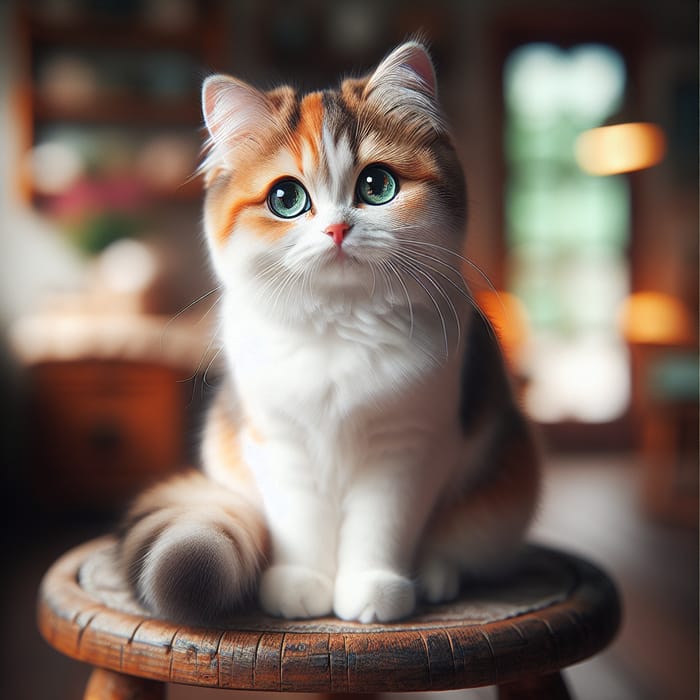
(338,192)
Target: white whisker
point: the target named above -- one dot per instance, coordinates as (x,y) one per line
(186,308)
(209,366)
(308,281)
(374,279)
(290,277)
(462,289)
(435,304)
(460,257)
(200,364)
(466,292)
(393,269)
(420,268)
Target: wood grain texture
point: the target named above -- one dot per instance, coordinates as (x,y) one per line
(329,656)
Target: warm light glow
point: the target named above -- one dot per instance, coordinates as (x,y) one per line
(584,378)
(128,266)
(653,317)
(622,148)
(509,319)
(54,167)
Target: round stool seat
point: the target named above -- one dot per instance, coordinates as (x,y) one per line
(555,610)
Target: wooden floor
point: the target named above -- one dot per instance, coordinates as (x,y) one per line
(591,507)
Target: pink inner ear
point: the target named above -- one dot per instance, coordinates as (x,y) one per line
(209,93)
(233,110)
(215,104)
(419,62)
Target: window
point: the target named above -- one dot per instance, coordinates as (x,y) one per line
(566,231)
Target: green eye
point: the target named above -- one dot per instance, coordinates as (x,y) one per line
(288,199)
(376,185)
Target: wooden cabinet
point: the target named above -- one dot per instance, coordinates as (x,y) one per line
(103,429)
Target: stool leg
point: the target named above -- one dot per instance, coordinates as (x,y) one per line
(109,685)
(551,687)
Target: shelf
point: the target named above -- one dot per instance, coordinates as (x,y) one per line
(109,82)
(128,109)
(189,191)
(115,35)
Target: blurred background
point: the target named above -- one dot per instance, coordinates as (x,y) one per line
(577,124)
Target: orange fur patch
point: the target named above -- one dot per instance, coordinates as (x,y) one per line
(309,129)
(235,210)
(225,432)
(255,434)
(266,228)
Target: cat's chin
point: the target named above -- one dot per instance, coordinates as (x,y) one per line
(340,256)
(339,267)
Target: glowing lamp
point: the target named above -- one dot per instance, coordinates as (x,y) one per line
(509,318)
(623,148)
(653,317)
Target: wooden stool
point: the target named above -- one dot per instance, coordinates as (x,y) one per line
(555,611)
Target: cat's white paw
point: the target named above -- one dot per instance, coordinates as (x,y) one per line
(438,581)
(374,596)
(296,592)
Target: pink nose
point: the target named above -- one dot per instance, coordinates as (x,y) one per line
(337,232)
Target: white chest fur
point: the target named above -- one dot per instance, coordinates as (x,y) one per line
(361,381)
(331,365)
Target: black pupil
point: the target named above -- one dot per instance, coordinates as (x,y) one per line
(288,195)
(376,183)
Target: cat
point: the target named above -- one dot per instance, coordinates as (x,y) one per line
(366,450)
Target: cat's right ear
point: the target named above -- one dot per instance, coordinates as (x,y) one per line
(234,112)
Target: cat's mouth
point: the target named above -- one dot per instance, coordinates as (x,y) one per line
(342,266)
(341,256)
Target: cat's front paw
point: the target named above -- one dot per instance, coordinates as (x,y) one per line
(374,596)
(296,592)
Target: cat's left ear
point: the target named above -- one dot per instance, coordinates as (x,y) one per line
(405,84)
(408,66)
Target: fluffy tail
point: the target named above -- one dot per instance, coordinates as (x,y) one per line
(193,550)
